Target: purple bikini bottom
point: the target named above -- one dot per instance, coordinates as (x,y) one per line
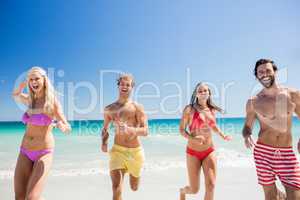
(34,155)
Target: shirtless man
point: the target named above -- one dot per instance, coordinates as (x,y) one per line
(130,121)
(273,107)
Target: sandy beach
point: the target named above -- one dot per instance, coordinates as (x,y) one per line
(232,184)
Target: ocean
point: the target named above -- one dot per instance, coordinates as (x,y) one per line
(78,154)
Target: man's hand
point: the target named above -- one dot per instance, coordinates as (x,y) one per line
(121,127)
(249,143)
(298,146)
(125,129)
(104,148)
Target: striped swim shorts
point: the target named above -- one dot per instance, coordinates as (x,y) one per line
(276,161)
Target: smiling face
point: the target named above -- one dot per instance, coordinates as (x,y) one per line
(266,75)
(125,86)
(203,92)
(36,82)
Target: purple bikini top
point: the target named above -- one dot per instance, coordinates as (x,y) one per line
(36,119)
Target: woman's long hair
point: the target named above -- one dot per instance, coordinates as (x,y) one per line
(210,104)
(50,95)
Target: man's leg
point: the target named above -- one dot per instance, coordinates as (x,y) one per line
(134,182)
(134,167)
(265,172)
(290,174)
(117,177)
(273,193)
(292,193)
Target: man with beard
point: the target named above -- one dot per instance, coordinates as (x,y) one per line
(130,121)
(273,107)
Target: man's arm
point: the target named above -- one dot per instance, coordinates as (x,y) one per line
(104,133)
(249,121)
(296,101)
(142,129)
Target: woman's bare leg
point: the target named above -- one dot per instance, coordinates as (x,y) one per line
(209,166)
(21,177)
(38,177)
(193,167)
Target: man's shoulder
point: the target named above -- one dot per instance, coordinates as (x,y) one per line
(294,93)
(292,90)
(110,107)
(251,103)
(139,108)
(137,105)
(252,99)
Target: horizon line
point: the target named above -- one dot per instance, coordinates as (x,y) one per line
(102,119)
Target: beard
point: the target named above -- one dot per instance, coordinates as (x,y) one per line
(269,83)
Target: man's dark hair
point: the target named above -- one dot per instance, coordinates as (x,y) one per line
(264,61)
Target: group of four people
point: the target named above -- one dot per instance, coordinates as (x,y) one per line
(273,107)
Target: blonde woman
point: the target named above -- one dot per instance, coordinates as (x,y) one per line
(36,151)
(199,118)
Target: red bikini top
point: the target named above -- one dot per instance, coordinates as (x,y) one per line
(199,122)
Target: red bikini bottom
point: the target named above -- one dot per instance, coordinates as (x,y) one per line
(201,155)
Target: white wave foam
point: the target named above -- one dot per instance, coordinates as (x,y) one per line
(79,172)
(163,165)
(226,158)
(233,158)
(6,174)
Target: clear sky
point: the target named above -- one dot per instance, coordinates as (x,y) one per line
(168,46)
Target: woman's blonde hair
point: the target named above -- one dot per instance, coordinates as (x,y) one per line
(50,94)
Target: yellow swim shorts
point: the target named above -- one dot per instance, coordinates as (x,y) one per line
(130,159)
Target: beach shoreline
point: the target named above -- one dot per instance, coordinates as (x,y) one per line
(233,183)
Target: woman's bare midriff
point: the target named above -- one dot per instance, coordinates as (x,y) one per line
(194,144)
(38,137)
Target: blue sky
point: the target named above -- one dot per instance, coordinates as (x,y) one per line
(157,41)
